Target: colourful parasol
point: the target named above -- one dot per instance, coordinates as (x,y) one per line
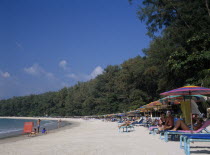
(187,90)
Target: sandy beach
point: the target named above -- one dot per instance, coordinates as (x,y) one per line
(95,137)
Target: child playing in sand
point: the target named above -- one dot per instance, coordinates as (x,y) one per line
(33,133)
(44,131)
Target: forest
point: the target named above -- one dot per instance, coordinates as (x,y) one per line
(178,55)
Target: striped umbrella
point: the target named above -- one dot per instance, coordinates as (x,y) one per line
(188,90)
(155,103)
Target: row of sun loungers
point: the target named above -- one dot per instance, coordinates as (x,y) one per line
(128,128)
(185,137)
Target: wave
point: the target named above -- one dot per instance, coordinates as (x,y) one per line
(49,123)
(9,130)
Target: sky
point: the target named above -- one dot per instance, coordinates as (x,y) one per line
(46,45)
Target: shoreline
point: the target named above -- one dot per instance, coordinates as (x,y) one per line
(96,137)
(15,138)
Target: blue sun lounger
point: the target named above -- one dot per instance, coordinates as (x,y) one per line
(188,138)
(138,123)
(127,128)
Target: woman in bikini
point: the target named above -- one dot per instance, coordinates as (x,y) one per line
(181,125)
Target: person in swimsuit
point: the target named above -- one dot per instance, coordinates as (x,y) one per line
(162,120)
(181,125)
(38,125)
(169,122)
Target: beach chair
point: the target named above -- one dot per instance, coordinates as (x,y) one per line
(153,129)
(181,132)
(138,123)
(144,123)
(127,128)
(130,127)
(186,139)
(120,122)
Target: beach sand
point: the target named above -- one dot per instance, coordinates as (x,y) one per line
(95,137)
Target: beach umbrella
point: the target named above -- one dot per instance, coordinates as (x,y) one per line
(188,90)
(155,103)
(144,109)
(180,97)
(131,115)
(121,114)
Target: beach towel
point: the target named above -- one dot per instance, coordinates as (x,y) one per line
(185,106)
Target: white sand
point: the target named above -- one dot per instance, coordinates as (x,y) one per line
(94,137)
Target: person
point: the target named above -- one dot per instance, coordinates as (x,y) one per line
(133,119)
(181,125)
(44,131)
(33,133)
(162,119)
(59,123)
(155,122)
(38,125)
(169,122)
(158,123)
(127,123)
(148,120)
(194,118)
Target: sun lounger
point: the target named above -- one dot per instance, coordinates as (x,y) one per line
(138,123)
(181,132)
(153,129)
(188,138)
(127,128)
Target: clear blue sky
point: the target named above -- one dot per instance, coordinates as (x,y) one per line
(48,44)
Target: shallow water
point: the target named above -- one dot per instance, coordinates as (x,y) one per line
(14,127)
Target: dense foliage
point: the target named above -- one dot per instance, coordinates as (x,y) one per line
(177,57)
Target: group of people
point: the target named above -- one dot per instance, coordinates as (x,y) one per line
(44,131)
(36,130)
(167,123)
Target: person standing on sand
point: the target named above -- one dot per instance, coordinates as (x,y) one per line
(38,125)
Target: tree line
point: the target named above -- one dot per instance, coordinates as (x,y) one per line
(179,55)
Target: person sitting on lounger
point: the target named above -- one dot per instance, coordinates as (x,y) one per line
(148,119)
(155,122)
(182,126)
(162,119)
(127,123)
(169,122)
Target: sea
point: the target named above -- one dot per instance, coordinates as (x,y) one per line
(14,127)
